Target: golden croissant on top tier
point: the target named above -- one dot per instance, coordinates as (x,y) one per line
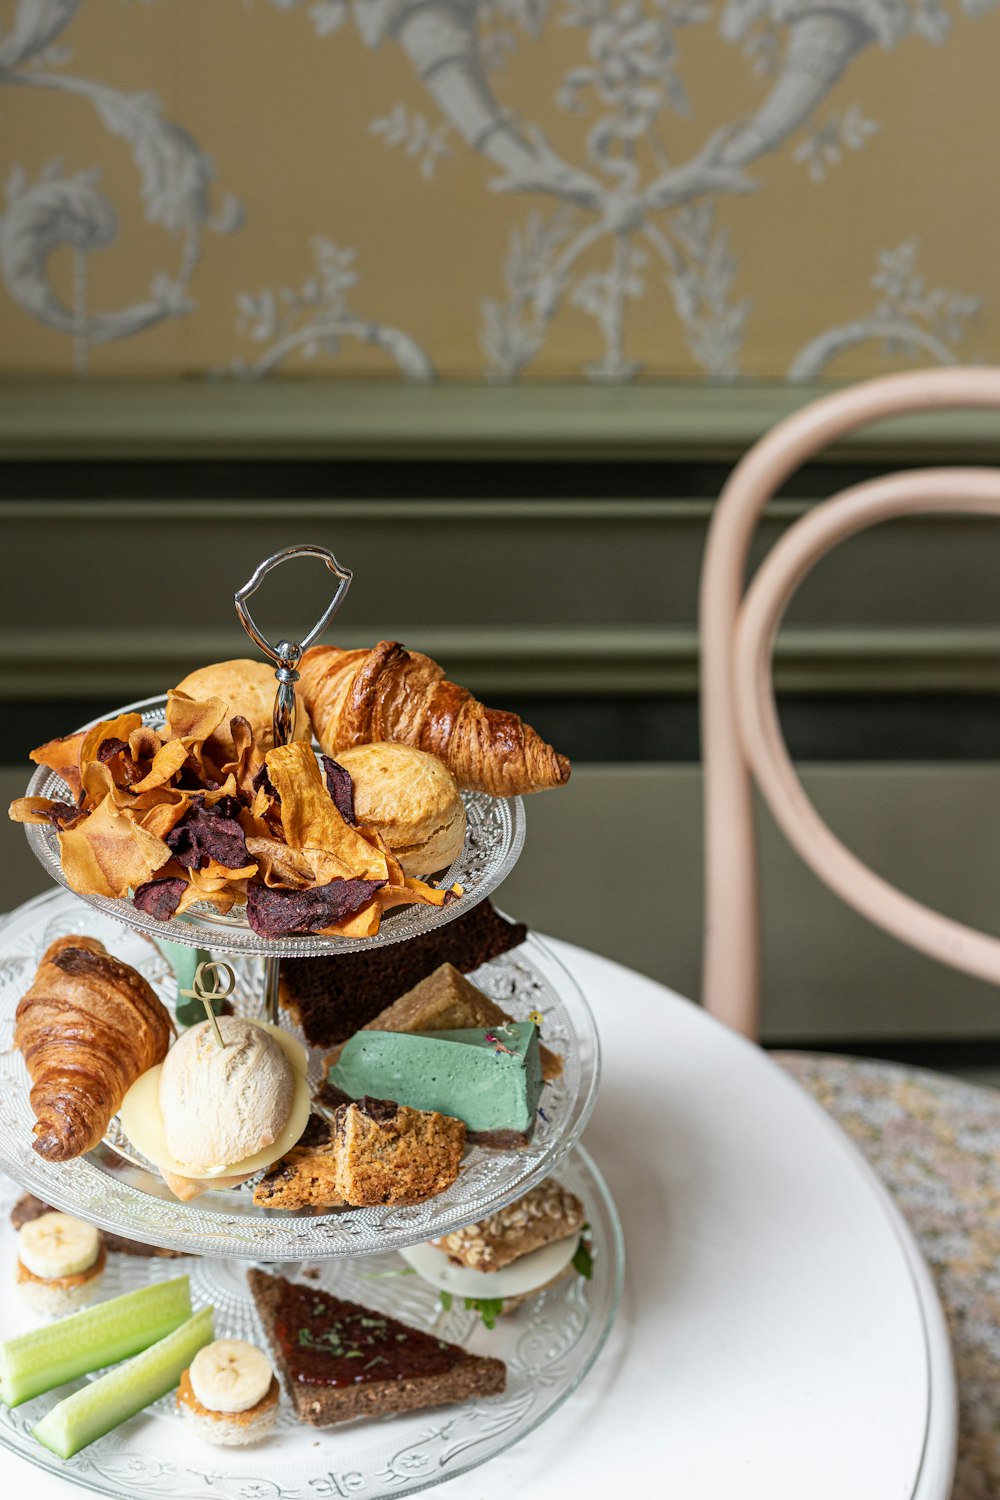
(87,1028)
(389,693)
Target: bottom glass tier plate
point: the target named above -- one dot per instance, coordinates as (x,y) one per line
(115,1189)
(548,1345)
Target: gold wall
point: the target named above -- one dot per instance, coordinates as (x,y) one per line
(597,189)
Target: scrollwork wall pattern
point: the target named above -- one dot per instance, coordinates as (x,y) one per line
(59,209)
(608,217)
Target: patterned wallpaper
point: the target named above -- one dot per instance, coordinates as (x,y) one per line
(498,189)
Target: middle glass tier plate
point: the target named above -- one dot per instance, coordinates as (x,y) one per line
(113,1188)
(494,838)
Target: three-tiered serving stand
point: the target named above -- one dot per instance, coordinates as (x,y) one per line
(548,1345)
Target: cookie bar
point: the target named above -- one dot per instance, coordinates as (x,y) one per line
(375,1151)
(388,1153)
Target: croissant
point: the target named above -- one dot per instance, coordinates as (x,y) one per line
(87,1028)
(389,693)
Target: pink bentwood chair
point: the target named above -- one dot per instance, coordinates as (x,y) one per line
(934,1140)
(740,731)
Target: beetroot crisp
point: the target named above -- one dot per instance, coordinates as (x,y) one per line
(108,749)
(61,813)
(207,833)
(276,913)
(160,898)
(341,788)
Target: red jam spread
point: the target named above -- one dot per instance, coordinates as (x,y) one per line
(329,1342)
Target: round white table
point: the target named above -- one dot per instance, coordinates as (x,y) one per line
(779,1335)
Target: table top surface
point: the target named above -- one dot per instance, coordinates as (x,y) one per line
(778,1337)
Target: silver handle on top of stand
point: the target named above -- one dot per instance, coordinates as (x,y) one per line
(286,656)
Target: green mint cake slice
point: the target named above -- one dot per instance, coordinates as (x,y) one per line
(490,1077)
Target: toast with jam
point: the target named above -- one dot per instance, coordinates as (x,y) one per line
(339,1360)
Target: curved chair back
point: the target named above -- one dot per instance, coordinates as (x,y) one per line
(741,734)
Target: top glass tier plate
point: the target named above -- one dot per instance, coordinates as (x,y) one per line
(493,841)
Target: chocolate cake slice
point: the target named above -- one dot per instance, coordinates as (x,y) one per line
(339,1360)
(334,996)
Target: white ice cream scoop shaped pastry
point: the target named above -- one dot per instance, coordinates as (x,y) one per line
(143,1118)
(56,1245)
(230,1376)
(223,1104)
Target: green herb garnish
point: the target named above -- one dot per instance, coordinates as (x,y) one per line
(488,1308)
(445,1300)
(330,1341)
(583,1260)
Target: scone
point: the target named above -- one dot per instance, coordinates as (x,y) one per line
(249,688)
(411,799)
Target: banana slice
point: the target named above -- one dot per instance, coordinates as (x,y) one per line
(56,1245)
(230,1375)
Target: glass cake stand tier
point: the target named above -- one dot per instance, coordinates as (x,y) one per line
(548,1346)
(493,841)
(118,1190)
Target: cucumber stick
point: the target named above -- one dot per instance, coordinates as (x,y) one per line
(102,1335)
(105,1403)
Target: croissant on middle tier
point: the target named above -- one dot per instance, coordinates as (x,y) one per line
(87,1028)
(389,693)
